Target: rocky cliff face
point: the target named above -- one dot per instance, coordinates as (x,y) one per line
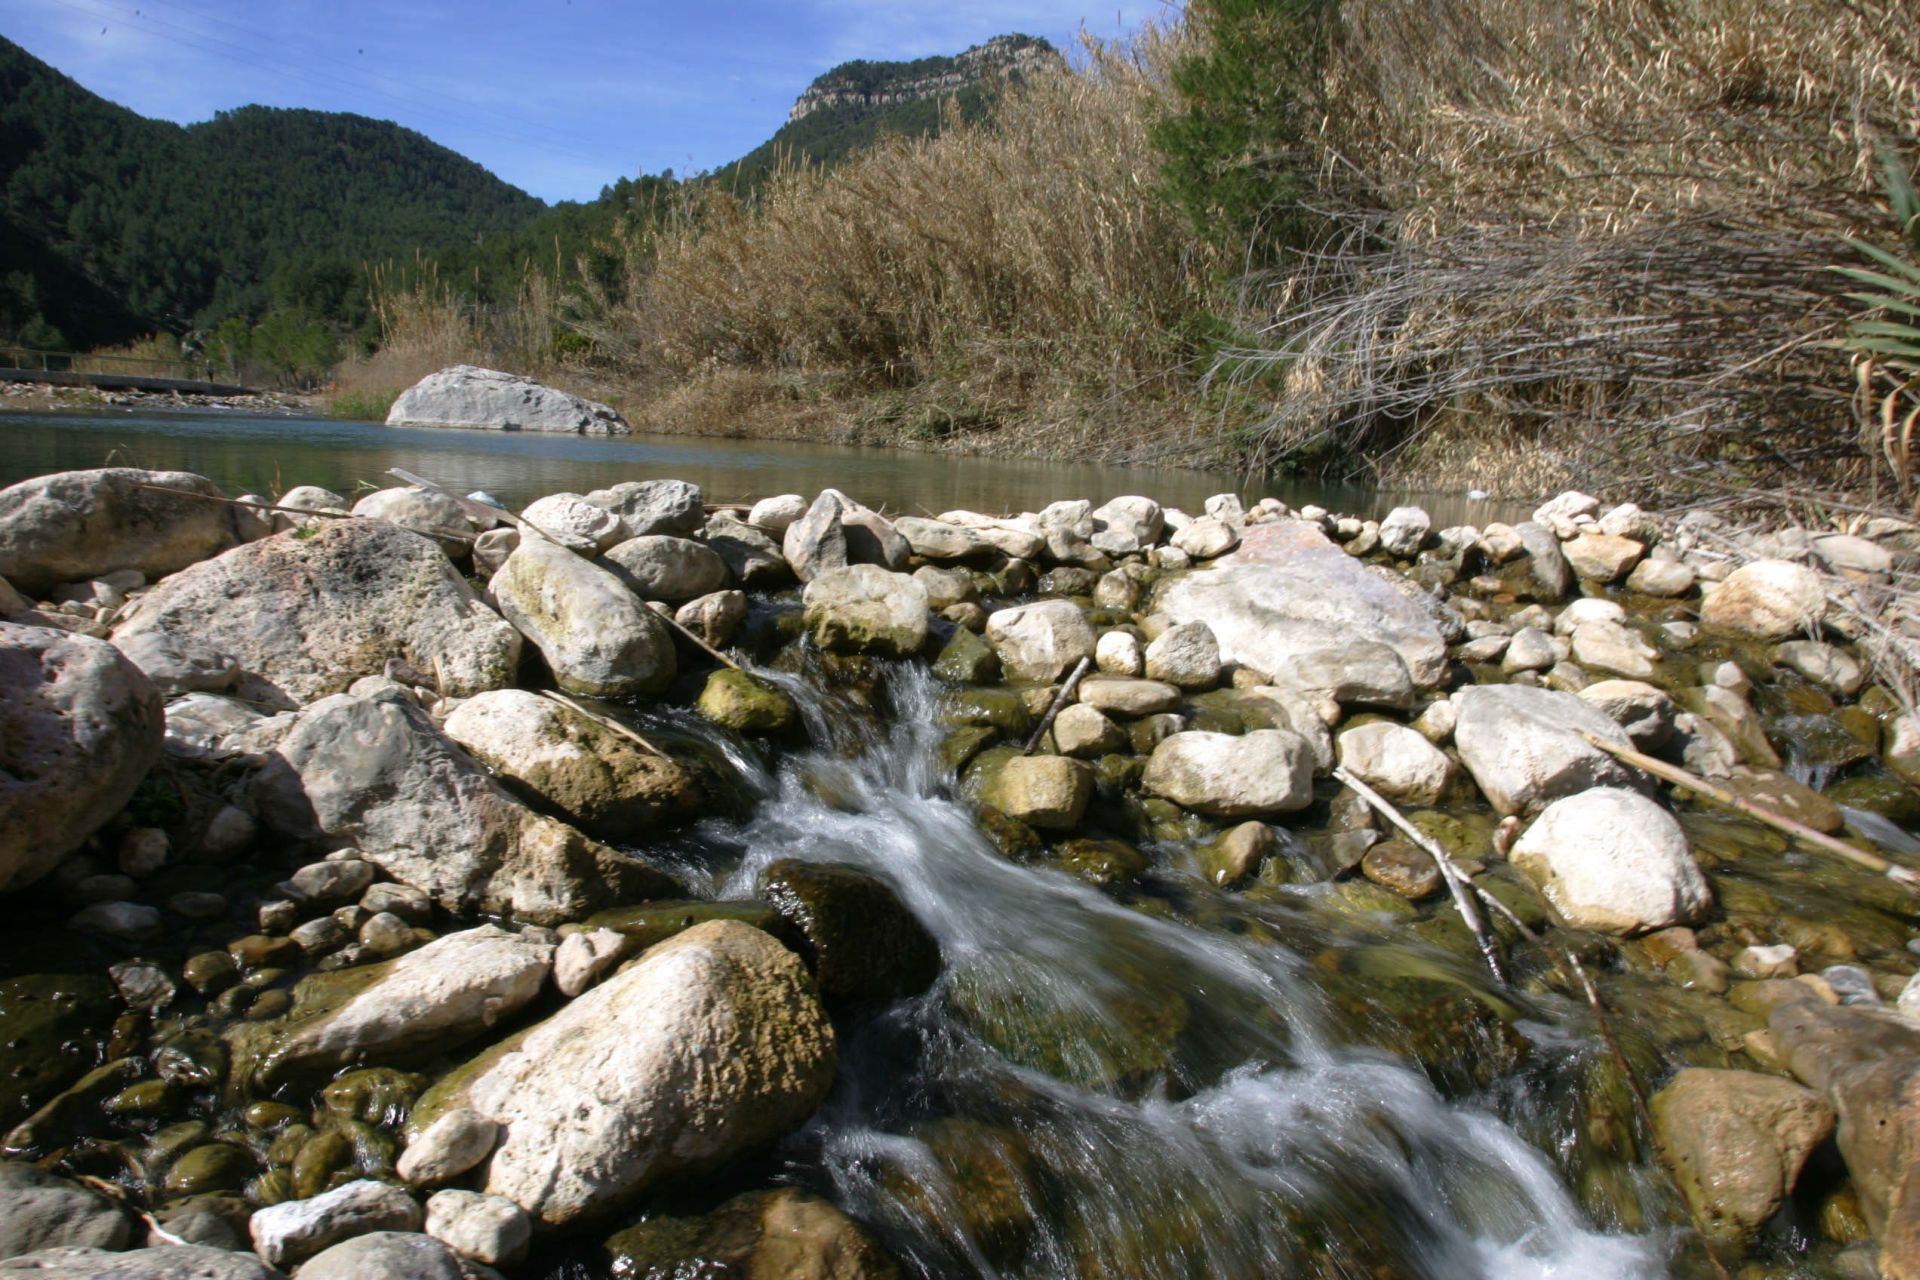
(884,84)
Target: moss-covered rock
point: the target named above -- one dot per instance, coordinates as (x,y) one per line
(862,941)
(651,923)
(1000,709)
(785,1232)
(966,659)
(1100,862)
(51,1026)
(735,700)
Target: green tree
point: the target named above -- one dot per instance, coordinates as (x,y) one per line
(1238,150)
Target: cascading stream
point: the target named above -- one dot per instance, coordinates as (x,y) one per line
(1096,1089)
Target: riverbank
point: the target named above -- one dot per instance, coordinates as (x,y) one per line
(44,397)
(412,866)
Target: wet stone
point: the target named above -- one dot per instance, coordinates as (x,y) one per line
(865,945)
(1405,868)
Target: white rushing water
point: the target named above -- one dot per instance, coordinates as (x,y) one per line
(1259,1144)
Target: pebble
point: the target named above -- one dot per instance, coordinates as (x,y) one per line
(124,921)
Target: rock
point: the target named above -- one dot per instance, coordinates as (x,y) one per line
(1564,514)
(465,396)
(1186,656)
(306,617)
(1549,577)
(1404,531)
(1524,746)
(328,884)
(714,617)
(772,515)
(1407,869)
(598,638)
(752,558)
(1832,669)
(1613,861)
(74,525)
(863,608)
(658,567)
(1266,771)
(1601,557)
(400,1011)
(1125,697)
(1787,796)
(394,1255)
(938,540)
(1238,853)
(1397,762)
(648,507)
(1857,559)
(489,1229)
(1046,792)
(1644,711)
(1737,1141)
(307,497)
(616,1093)
(1207,539)
(735,700)
(1664,578)
(786,1233)
(122,921)
(1290,603)
(1731,714)
(1136,517)
(1760,963)
(1080,730)
(491,549)
(290,1233)
(40,1210)
(79,728)
(433,514)
(374,773)
(1118,653)
(174,1262)
(179,664)
(817,541)
(1608,646)
(1771,599)
(1501,543)
(861,941)
(871,538)
(945,587)
(1039,643)
(575,523)
(457,1140)
(1528,650)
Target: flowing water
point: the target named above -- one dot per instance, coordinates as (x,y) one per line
(1155,1086)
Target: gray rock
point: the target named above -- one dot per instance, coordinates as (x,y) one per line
(1404,531)
(491,549)
(1771,599)
(307,497)
(1601,557)
(863,608)
(1527,649)
(1185,655)
(1396,761)
(753,559)
(1136,517)
(306,617)
(1834,670)
(290,1233)
(1664,578)
(1550,576)
(458,1139)
(1047,792)
(1568,513)
(76,525)
(659,567)
(1039,643)
(122,921)
(1118,653)
(423,511)
(1614,861)
(1608,646)
(937,540)
(1080,730)
(172,1262)
(465,396)
(817,541)
(648,507)
(714,617)
(488,1229)
(772,515)
(1125,696)
(374,774)
(79,728)
(616,1093)
(40,1210)
(328,884)
(1206,539)
(945,587)
(394,1255)
(871,537)
(575,523)
(1643,710)
(178,664)
(598,638)
(1266,771)
(1524,746)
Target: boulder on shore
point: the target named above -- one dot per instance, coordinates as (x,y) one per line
(467,396)
(598,638)
(1614,861)
(75,525)
(79,728)
(863,608)
(1527,746)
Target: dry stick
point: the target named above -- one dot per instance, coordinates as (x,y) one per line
(294,511)
(1681,778)
(605,722)
(1059,700)
(1457,882)
(482,509)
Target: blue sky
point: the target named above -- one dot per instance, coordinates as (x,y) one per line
(555,96)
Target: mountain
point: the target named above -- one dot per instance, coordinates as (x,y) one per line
(115,225)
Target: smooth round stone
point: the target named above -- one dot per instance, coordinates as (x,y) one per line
(217,1166)
(197,906)
(1407,869)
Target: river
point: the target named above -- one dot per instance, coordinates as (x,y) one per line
(249,453)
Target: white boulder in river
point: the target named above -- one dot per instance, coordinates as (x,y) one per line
(1266,771)
(79,727)
(76,525)
(306,617)
(598,637)
(1613,861)
(1527,746)
(712,1044)
(467,396)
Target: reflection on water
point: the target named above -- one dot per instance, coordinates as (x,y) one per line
(243,453)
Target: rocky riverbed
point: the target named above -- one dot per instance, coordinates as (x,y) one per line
(406,887)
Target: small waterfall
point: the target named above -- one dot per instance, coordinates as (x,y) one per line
(1095,1090)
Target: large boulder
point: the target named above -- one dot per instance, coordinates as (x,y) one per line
(1224,776)
(1039,643)
(1292,605)
(1772,599)
(710,1045)
(598,638)
(403,1011)
(1613,861)
(374,774)
(306,617)
(605,784)
(1736,1141)
(1527,746)
(76,525)
(648,507)
(863,608)
(79,728)
(466,396)
(660,567)
(41,1210)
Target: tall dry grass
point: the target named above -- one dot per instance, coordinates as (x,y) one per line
(1591,237)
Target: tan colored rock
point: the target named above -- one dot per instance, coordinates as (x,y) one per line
(1737,1141)
(1771,599)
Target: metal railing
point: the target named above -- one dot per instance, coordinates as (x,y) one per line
(89,362)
